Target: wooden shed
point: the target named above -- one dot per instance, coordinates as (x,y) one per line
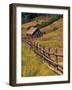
(33,33)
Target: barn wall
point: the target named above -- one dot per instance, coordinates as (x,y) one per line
(37,34)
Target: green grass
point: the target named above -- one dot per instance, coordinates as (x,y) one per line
(32,64)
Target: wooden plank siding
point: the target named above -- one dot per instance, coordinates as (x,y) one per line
(33,33)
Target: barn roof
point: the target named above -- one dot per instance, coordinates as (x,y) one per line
(32,31)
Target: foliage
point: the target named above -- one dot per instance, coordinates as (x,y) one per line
(50,21)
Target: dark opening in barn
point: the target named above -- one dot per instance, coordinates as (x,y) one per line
(34,33)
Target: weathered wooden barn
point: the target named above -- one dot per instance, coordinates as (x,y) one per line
(34,33)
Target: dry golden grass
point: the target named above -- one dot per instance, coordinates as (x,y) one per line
(32,64)
(57,24)
(52,38)
(36,21)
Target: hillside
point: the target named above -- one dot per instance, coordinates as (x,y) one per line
(32,64)
(36,21)
(53,35)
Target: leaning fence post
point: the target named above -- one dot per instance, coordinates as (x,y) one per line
(56,57)
(43,51)
(49,55)
(33,45)
(40,49)
(36,48)
(30,44)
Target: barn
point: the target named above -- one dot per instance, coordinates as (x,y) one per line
(34,33)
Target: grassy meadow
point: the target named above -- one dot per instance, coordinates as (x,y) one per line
(32,64)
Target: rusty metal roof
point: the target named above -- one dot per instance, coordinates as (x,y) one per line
(31,31)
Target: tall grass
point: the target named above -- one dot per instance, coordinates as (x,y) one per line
(32,64)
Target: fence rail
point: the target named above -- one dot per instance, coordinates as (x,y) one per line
(46,55)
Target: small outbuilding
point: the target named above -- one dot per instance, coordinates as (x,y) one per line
(34,32)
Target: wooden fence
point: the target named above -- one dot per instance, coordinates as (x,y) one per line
(46,55)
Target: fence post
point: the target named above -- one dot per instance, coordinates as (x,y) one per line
(40,49)
(37,45)
(36,50)
(56,57)
(33,45)
(43,51)
(49,55)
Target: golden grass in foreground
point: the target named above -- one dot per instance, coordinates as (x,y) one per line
(32,64)
(53,38)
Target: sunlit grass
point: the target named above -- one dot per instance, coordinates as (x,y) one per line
(32,64)
(52,40)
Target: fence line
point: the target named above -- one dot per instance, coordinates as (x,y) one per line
(46,54)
